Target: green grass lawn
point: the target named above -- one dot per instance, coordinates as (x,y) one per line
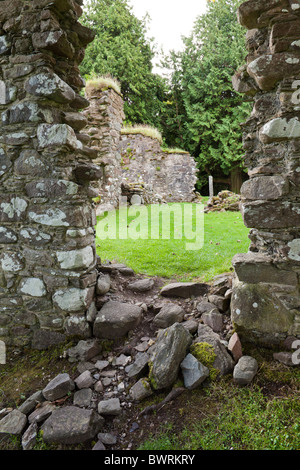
(224,236)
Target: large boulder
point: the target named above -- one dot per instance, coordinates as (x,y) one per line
(116,319)
(71,425)
(170,350)
(185,289)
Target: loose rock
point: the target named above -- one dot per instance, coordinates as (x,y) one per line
(194,373)
(58,387)
(245,370)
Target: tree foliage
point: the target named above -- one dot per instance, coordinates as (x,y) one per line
(122,50)
(213,52)
(210,110)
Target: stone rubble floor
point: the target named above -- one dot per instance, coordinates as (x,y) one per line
(106,376)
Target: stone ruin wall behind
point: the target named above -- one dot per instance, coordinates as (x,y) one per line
(105,117)
(266,301)
(133,159)
(168,177)
(47,247)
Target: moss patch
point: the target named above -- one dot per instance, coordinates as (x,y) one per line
(204,353)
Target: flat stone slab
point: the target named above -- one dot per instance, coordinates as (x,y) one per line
(142,285)
(185,289)
(71,425)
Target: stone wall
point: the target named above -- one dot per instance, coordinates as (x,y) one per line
(266,301)
(47,249)
(169,177)
(105,116)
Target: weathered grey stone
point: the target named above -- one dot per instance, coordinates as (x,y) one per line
(103,284)
(85,380)
(82,398)
(255,310)
(71,425)
(30,163)
(109,407)
(139,367)
(245,370)
(33,287)
(107,438)
(101,364)
(49,85)
(5,45)
(285,357)
(57,135)
(99,446)
(184,289)
(141,390)
(194,373)
(142,285)
(170,350)
(5,162)
(55,41)
(169,314)
(42,413)
(116,319)
(191,325)
(85,350)
(214,319)
(254,268)
(29,437)
(58,387)
(265,187)
(12,209)
(205,306)
(75,120)
(220,302)
(71,300)
(7,235)
(13,423)
(29,405)
(76,325)
(44,339)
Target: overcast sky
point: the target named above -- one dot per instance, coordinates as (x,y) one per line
(170,19)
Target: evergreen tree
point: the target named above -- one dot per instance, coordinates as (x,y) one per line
(121,49)
(212,54)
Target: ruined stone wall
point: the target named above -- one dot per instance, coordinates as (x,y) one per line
(266,301)
(105,117)
(169,177)
(47,249)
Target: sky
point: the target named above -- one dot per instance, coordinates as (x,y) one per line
(170,19)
